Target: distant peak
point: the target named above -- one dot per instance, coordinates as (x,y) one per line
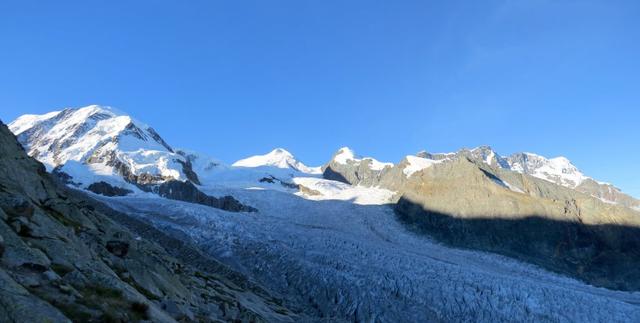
(95,108)
(76,133)
(559,170)
(279,158)
(483,148)
(344,154)
(345,150)
(561,159)
(280,151)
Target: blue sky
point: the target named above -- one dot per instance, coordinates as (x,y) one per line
(387,78)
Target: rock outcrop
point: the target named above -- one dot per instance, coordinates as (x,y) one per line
(65,257)
(106,189)
(187,192)
(347,168)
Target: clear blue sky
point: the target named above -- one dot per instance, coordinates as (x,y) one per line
(387,78)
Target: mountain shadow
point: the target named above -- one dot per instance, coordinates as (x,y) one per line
(602,255)
(330,174)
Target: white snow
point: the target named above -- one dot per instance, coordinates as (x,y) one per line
(512,187)
(334,190)
(507,185)
(95,130)
(557,170)
(346,155)
(375,164)
(26,121)
(490,157)
(607,201)
(416,164)
(279,158)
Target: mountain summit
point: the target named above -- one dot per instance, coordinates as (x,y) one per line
(94,143)
(279,158)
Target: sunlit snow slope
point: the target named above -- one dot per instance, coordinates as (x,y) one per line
(98,143)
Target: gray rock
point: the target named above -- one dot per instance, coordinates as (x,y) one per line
(16,206)
(178,312)
(118,248)
(65,289)
(75,278)
(17,305)
(20,225)
(186,191)
(18,254)
(106,189)
(51,275)
(3,216)
(359,171)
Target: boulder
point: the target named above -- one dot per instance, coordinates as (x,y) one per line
(118,248)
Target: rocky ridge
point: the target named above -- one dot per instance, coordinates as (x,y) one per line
(65,257)
(472,199)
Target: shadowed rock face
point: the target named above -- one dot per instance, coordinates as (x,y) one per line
(354,173)
(187,169)
(65,257)
(524,217)
(605,255)
(187,192)
(106,189)
(470,203)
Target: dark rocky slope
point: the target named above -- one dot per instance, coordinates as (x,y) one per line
(187,192)
(63,257)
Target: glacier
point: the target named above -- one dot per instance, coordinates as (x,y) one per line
(342,261)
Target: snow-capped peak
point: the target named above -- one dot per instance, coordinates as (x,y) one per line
(558,170)
(489,156)
(75,133)
(96,142)
(346,155)
(343,155)
(279,158)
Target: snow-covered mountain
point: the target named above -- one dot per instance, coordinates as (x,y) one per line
(345,166)
(346,155)
(279,158)
(562,171)
(98,143)
(558,170)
